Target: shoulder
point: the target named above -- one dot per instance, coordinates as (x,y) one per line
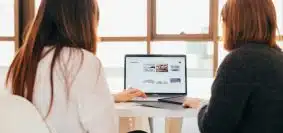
(241,61)
(246,65)
(256,52)
(235,61)
(246,57)
(90,65)
(91,60)
(242,54)
(90,56)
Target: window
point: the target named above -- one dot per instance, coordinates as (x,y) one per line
(112,55)
(7,18)
(116,22)
(122,18)
(163,27)
(280,44)
(199,55)
(175,27)
(199,63)
(37,3)
(221,4)
(222,53)
(182,16)
(7,32)
(279,10)
(7,49)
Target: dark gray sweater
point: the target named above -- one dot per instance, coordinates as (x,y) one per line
(247,93)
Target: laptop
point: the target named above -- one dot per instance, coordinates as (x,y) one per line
(159,76)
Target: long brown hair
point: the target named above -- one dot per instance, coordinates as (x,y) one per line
(248,20)
(59,24)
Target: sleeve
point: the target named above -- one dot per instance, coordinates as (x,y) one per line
(95,103)
(230,92)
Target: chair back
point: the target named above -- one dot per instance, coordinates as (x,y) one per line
(17,115)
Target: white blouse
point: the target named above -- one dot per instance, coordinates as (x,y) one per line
(82,99)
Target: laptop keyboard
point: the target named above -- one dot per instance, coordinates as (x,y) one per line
(140,99)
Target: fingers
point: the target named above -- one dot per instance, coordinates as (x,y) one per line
(143,95)
(132,90)
(137,92)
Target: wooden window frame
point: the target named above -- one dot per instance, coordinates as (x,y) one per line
(211,36)
(16,27)
(153,36)
(185,37)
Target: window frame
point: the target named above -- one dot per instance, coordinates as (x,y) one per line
(23,14)
(152,35)
(184,37)
(14,38)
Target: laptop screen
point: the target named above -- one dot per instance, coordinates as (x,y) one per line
(153,74)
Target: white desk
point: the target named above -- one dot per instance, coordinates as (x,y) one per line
(134,110)
(173,123)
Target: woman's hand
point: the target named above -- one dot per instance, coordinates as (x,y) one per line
(192,103)
(128,95)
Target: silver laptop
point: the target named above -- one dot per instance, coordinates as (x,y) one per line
(159,76)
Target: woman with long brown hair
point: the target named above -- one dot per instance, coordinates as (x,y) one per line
(56,69)
(247,93)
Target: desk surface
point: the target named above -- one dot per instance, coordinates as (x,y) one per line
(134,110)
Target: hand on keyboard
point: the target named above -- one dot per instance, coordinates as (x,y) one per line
(128,95)
(192,103)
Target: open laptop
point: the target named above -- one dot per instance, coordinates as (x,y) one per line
(159,76)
